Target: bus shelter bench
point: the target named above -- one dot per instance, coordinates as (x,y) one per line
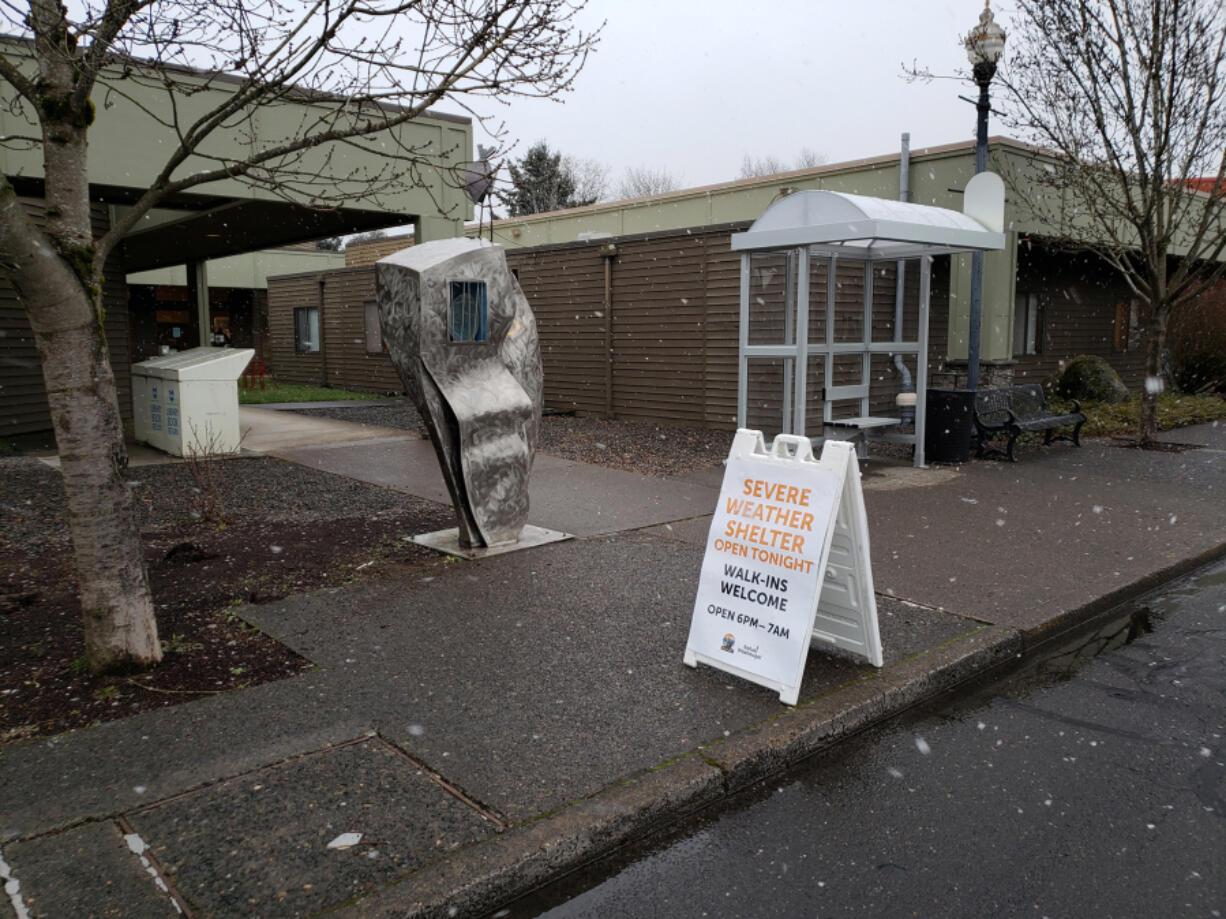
(858,430)
(1013,410)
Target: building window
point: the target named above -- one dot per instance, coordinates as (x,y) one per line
(374,334)
(306,329)
(468,311)
(1125,336)
(1027,325)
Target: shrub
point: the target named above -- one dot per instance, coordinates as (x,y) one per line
(1089,378)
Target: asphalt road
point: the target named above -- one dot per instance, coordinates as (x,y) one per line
(1093,784)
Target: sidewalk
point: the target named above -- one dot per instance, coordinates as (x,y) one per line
(488,728)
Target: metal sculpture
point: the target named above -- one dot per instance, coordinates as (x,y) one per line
(463,339)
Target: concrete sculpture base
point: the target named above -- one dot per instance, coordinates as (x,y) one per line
(448,542)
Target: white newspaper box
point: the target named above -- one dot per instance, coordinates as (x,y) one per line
(787,564)
(187,402)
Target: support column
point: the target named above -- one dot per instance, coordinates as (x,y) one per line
(428,229)
(997,305)
(198,300)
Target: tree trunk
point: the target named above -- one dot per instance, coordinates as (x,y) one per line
(1155,380)
(65,314)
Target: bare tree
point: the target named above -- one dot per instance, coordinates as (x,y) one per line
(363,68)
(754,166)
(1126,98)
(639,182)
(808,158)
(591,177)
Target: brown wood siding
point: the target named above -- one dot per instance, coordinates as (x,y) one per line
(286,365)
(1078,296)
(565,288)
(676,313)
(674,318)
(342,361)
(658,316)
(359,255)
(22,392)
(721,329)
(350,365)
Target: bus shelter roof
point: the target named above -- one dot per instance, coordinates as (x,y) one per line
(860,227)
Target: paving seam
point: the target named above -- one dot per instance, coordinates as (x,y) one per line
(928,606)
(155,869)
(153,805)
(488,874)
(488,813)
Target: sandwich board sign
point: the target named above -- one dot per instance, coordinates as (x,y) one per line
(787,563)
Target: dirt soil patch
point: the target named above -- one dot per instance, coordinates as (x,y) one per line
(283,529)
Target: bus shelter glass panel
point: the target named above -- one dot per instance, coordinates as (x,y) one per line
(819,269)
(885,301)
(815,393)
(847,374)
(911,299)
(768,405)
(772,298)
(886,381)
(850,282)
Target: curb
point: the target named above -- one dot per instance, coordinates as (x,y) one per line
(489,873)
(1070,622)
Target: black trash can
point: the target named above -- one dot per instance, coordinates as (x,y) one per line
(949,426)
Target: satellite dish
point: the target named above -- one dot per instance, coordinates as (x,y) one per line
(479,175)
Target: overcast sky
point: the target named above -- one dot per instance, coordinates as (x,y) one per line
(693,86)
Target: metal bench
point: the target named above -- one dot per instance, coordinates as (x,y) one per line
(1013,410)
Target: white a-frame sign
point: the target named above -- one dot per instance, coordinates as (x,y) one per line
(787,563)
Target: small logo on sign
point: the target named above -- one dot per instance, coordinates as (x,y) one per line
(727,643)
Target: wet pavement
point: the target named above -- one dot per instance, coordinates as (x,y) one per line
(1091,784)
(531,710)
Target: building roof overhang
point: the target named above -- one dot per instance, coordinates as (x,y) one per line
(128,149)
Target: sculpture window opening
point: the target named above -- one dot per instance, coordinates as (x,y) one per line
(468,311)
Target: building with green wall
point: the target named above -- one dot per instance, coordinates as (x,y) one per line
(130,143)
(1049,281)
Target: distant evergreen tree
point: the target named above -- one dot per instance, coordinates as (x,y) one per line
(540,182)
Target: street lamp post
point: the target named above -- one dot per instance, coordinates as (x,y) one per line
(984,46)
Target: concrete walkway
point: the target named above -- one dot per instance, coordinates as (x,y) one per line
(489,727)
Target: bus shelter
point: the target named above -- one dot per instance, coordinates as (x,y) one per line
(834,303)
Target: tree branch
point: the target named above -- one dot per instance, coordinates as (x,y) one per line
(10,73)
